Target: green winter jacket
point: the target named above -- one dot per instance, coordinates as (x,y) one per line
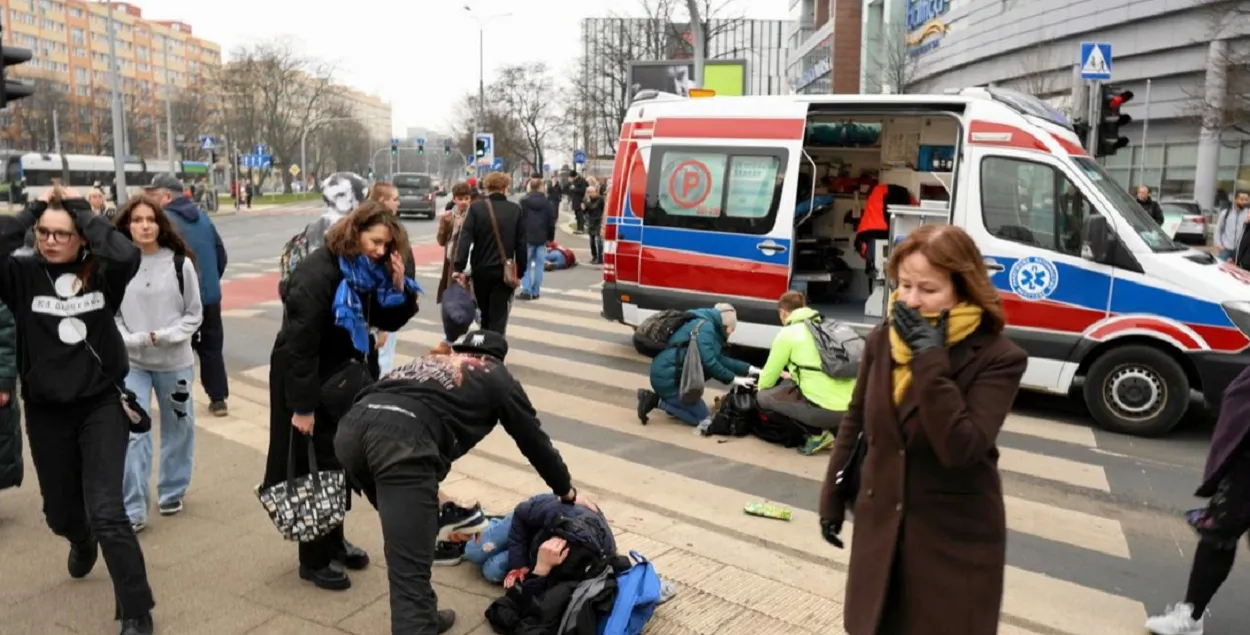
(795,350)
(10,419)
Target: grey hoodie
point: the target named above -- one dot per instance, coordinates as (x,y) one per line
(154,306)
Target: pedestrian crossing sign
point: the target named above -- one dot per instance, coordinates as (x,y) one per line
(1096,61)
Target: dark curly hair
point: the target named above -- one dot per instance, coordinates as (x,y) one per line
(343,239)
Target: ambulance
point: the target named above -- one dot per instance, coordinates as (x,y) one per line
(740,199)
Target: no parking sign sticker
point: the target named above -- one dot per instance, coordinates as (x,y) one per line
(690,186)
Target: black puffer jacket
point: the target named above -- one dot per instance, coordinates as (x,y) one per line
(538,219)
(11,468)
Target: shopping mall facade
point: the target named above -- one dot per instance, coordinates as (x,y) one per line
(1168,52)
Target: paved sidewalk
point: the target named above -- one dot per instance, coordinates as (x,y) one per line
(220,567)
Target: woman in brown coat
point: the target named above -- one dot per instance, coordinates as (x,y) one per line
(934,388)
(449,229)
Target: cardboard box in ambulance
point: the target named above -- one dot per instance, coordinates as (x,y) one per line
(740,199)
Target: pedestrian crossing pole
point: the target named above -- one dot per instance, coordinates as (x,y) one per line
(1094,106)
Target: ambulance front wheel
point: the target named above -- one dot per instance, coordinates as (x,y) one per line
(1136,390)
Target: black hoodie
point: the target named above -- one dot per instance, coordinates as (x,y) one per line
(55,313)
(465,395)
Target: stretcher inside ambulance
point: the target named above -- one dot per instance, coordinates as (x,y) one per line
(740,199)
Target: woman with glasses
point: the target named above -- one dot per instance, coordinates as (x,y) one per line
(65,298)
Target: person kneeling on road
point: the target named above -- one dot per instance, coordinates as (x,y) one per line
(398,443)
(793,384)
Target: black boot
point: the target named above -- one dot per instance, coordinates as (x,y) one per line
(82,557)
(352,557)
(647,401)
(330,578)
(446,620)
(138,625)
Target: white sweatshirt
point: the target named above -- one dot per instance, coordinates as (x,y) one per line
(153,304)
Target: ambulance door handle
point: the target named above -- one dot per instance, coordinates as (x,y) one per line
(770,248)
(992,265)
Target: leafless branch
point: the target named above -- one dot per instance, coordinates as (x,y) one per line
(896,65)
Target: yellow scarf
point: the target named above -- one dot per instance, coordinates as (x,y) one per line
(960,323)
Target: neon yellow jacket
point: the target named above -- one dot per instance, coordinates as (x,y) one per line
(795,351)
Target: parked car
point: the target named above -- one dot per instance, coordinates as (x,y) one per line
(1195,223)
(416,194)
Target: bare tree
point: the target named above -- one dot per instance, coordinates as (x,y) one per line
(274,94)
(1039,71)
(1228,22)
(510,139)
(343,146)
(525,92)
(897,65)
(601,87)
(29,121)
(194,113)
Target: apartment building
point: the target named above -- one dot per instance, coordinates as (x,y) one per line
(69,39)
(374,113)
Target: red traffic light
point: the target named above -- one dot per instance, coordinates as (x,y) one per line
(1121,99)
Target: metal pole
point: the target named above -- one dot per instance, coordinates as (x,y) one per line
(1094,96)
(1145,130)
(119,158)
(303,151)
(169,109)
(56,134)
(481,90)
(696,25)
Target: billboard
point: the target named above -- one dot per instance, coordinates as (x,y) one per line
(726,77)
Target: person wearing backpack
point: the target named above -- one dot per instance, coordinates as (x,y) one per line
(709,330)
(201,236)
(793,382)
(159,314)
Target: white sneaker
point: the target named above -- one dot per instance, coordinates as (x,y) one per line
(1178,620)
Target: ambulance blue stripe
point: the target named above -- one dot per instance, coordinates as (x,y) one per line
(714,244)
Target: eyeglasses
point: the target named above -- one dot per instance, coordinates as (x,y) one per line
(53,236)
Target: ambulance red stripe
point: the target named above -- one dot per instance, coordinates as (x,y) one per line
(730,128)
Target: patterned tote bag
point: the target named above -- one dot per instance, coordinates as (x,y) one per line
(308,507)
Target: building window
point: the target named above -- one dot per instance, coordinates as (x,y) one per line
(1032,204)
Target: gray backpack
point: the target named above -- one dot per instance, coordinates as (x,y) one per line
(840,347)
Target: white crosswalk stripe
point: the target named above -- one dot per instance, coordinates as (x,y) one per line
(572,358)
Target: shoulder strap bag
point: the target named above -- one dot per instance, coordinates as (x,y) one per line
(510,277)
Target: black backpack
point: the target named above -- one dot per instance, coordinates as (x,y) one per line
(736,413)
(841,348)
(179,259)
(782,430)
(651,337)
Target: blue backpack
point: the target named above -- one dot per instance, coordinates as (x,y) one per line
(637,595)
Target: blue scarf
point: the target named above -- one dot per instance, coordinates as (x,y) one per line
(364,276)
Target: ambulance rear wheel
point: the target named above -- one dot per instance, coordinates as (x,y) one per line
(1136,390)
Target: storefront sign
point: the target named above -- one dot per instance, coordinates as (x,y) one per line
(925,26)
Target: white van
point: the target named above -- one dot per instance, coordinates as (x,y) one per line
(741,199)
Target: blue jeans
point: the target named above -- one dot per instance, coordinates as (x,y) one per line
(690,414)
(535,257)
(556,259)
(386,356)
(173,397)
(491,552)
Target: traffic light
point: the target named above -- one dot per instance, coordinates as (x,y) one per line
(479,148)
(14,89)
(447,149)
(1110,119)
(420,149)
(394,148)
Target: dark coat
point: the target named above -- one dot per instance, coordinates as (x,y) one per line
(538,218)
(1232,434)
(11,462)
(310,348)
(930,539)
(479,247)
(534,519)
(711,339)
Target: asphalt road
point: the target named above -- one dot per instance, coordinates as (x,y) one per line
(1149,482)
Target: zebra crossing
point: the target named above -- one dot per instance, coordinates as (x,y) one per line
(581,373)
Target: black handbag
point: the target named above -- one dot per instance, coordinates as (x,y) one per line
(846,482)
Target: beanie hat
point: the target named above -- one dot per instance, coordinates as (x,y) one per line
(728,315)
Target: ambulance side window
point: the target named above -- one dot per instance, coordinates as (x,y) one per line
(732,190)
(1033,204)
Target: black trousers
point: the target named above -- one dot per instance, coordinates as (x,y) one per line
(79,452)
(390,454)
(593,227)
(208,343)
(316,554)
(578,212)
(494,298)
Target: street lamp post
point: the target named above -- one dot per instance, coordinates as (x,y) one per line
(481,73)
(119,158)
(696,24)
(169,115)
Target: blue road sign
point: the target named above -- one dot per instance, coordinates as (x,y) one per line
(1096,61)
(259,149)
(579,157)
(546,168)
(208,143)
(497,164)
(421,141)
(394,141)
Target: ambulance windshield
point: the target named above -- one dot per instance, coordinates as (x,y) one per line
(1030,106)
(1128,207)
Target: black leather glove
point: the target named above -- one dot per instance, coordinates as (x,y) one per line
(829,530)
(915,329)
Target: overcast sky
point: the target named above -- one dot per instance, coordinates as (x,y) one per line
(421,55)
